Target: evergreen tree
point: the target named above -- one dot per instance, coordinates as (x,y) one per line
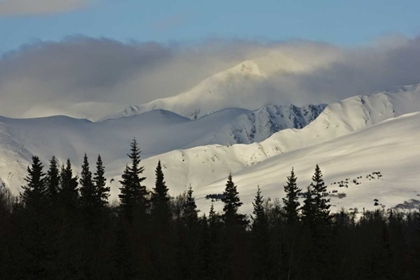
(291,203)
(321,203)
(99,180)
(133,194)
(53,180)
(93,219)
(316,217)
(232,203)
(33,225)
(260,238)
(53,216)
(88,201)
(259,218)
(213,217)
(68,192)
(308,208)
(231,257)
(160,198)
(87,189)
(190,209)
(35,194)
(68,245)
(217,244)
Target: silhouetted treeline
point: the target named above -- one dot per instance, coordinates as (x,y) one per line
(62,227)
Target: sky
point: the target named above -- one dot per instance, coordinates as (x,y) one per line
(339,22)
(55,52)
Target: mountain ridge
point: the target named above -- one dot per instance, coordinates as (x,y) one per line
(158,131)
(190,150)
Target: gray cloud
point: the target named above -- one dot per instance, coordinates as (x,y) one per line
(358,71)
(80,69)
(39,7)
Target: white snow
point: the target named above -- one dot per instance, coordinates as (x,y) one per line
(157,132)
(348,139)
(231,88)
(391,148)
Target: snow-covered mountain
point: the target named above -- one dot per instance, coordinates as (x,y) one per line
(336,120)
(206,97)
(187,147)
(234,125)
(201,166)
(260,124)
(157,131)
(378,162)
(231,88)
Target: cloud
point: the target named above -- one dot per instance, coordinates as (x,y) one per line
(356,71)
(83,70)
(39,7)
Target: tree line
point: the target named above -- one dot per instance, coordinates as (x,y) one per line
(62,227)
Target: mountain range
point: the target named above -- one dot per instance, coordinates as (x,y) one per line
(201,138)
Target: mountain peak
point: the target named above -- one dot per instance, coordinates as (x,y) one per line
(248,67)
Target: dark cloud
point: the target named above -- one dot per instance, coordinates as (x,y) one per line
(82,69)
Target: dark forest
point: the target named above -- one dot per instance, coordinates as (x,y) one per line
(62,226)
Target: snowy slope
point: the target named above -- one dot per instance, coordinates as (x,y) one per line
(234,125)
(157,131)
(203,165)
(13,158)
(260,124)
(178,141)
(390,147)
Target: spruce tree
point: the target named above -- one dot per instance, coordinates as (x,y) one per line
(88,201)
(291,203)
(53,180)
(133,196)
(308,208)
(68,192)
(33,222)
(316,218)
(321,203)
(99,180)
(232,203)
(214,223)
(190,209)
(35,193)
(213,217)
(260,238)
(160,198)
(87,189)
(90,210)
(233,234)
(259,218)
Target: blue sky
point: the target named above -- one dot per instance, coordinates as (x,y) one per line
(345,23)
